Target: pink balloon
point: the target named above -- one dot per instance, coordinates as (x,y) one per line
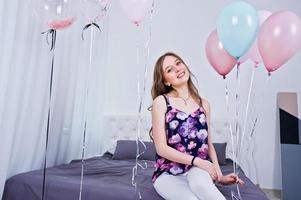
(136,10)
(253,53)
(217,56)
(279,39)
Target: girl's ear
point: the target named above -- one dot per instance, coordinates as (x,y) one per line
(167,84)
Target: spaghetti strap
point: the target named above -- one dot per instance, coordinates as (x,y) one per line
(167,101)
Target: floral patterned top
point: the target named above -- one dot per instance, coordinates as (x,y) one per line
(186,133)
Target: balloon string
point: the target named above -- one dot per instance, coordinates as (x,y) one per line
(138,125)
(52,33)
(262,92)
(256,118)
(140,103)
(247,110)
(237,124)
(147,49)
(260,97)
(253,128)
(230,126)
(237,113)
(85,114)
(135,168)
(88,26)
(252,152)
(234,196)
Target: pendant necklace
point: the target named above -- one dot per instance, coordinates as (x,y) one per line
(185,100)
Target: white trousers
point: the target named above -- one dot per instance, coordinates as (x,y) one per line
(196,184)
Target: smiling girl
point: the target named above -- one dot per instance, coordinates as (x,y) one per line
(181,133)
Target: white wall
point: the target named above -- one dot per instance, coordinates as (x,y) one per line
(183,27)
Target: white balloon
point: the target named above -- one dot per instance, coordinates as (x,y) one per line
(94,10)
(54,14)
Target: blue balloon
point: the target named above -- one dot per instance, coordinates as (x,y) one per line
(237,27)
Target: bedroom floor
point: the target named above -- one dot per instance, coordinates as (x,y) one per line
(273,194)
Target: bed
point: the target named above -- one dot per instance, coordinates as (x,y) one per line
(105,177)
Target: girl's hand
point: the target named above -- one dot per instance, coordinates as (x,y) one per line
(207,166)
(219,173)
(231,179)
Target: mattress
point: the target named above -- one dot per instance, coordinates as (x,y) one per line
(104,178)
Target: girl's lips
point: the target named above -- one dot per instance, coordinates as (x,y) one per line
(181,74)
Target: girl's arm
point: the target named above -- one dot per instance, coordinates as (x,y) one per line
(211,149)
(229,178)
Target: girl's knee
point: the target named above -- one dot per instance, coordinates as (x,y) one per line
(199,185)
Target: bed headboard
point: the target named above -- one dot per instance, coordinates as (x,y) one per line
(120,126)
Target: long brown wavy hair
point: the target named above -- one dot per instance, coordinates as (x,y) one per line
(159,88)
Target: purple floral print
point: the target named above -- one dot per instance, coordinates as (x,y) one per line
(174,139)
(185,133)
(203,151)
(173,124)
(181,115)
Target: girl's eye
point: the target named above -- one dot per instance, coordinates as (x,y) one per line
(170,69)
(178,63)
